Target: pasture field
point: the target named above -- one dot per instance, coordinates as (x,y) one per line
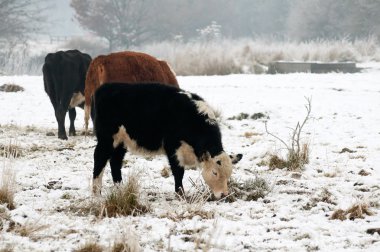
(50,179)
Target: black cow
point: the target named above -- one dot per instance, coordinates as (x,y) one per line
(64,77)
(159,119)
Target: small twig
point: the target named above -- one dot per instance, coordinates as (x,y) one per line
(282,141)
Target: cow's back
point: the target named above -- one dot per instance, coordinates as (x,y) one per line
(125,67)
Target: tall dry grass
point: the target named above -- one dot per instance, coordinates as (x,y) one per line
(253,56)
(215,57)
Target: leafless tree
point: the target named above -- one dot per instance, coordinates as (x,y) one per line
(121,22)
(20,19)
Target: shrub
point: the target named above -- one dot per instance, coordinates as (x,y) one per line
(297,154)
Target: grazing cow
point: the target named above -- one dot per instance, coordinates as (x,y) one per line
(125,67)
(159,119)
(64,77)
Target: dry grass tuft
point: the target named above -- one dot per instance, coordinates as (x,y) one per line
(124,200)
(127,243)
(90,247)
(249,190)
(28,229)
(86,207)
(7,190)
(325,196)
(277,162)
(11,88)
(357,211)
(165,172)
(339,215)
(11,150)
(192,204)
(239,117)
(297,154)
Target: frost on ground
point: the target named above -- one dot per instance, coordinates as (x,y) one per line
(55,211)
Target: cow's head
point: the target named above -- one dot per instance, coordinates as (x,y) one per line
(216,171)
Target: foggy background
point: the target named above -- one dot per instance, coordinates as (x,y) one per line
(237,34)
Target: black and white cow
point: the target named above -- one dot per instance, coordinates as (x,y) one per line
(159,119)
(64,78)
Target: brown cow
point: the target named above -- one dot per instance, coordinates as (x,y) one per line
(125,67)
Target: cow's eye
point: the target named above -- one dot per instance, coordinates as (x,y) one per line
(219,162)
(214,173)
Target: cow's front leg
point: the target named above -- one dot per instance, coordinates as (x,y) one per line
(178,172)
(101,155)
(116,163)
(60,115)
(72,116)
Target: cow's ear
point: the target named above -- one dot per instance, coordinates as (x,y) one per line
(235,158)
(205,157)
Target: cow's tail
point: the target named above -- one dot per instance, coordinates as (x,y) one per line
(87,112)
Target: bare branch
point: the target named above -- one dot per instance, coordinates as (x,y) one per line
(282,141)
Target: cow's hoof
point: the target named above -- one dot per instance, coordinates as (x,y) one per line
(72,133)
(64,137)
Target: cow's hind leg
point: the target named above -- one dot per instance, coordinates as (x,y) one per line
(116,162)
(60,115)
(103,151)
(72,116)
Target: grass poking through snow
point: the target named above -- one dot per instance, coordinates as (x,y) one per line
(124,199)
(7,190)
(249,190)
(357,211)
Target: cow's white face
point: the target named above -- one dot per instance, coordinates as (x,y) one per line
(216,171)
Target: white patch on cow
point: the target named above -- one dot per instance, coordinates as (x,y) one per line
(187,94)
(205,109)
(122,137)
(186,156)
(97,183)
(77,99)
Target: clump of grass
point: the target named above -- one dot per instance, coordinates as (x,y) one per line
(127,243)
(124,200)
(86,207)
(192,204)
(12,149)
(7,190)
(257,116)
(239,117)
(277,162)
(90,247)
(28,229)
(297,154)
(325,196)
(249,190)
(356,211)
(11,88)
(165,172)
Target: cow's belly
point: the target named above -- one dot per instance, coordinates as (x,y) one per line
(76,100)
(122,137)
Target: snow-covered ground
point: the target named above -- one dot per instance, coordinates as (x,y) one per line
(54,176)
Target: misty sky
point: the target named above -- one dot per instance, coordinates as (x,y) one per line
(60,16)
